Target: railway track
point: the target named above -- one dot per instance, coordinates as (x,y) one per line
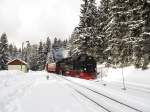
(75,85)
(98,104)
(85,96)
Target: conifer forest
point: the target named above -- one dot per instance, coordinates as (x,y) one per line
(114,32)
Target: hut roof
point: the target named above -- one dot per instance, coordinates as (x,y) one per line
(17,62)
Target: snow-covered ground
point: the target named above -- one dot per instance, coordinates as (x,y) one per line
(32,92)
(132,76)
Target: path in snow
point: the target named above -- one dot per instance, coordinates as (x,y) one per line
(52,96)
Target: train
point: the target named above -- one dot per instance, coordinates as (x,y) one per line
(81,66)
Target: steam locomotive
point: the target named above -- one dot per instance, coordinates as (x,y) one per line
(82,66)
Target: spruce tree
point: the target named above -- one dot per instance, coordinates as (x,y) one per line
(73,43)
(41,57)
(48,45)
(117,34)
(17,52)
(87,28)
(135,29)
(55,43)
(50,57)
(146,34)
(10,51)
(34,58)
(28,52)
(64,43)
(103,20)
(1,62)
(4,52)
(47,50)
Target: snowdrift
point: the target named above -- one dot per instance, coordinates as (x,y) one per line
(131,75)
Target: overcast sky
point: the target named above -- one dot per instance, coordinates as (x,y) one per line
(34,20)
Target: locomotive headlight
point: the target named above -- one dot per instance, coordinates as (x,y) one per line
(67,72)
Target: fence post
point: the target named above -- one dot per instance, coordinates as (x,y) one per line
(102,77)
(123,80)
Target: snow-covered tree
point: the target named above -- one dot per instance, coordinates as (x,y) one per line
(135,24)
(41,57)
(49,50)
(48,45)
(87,28)
(146,34)
(50,57)
(119,46)
(4,52)
(57,43)
(73,43)
(34,58)
(27,52)
(64,43)
(103,22)
(17,52)
(10,51)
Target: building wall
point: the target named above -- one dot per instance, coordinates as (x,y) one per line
(17,67)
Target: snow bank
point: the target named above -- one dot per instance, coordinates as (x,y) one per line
(10,72)
(131,74)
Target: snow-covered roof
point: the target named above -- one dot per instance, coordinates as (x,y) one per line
(19,60)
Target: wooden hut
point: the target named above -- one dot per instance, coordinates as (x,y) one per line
(18,64)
